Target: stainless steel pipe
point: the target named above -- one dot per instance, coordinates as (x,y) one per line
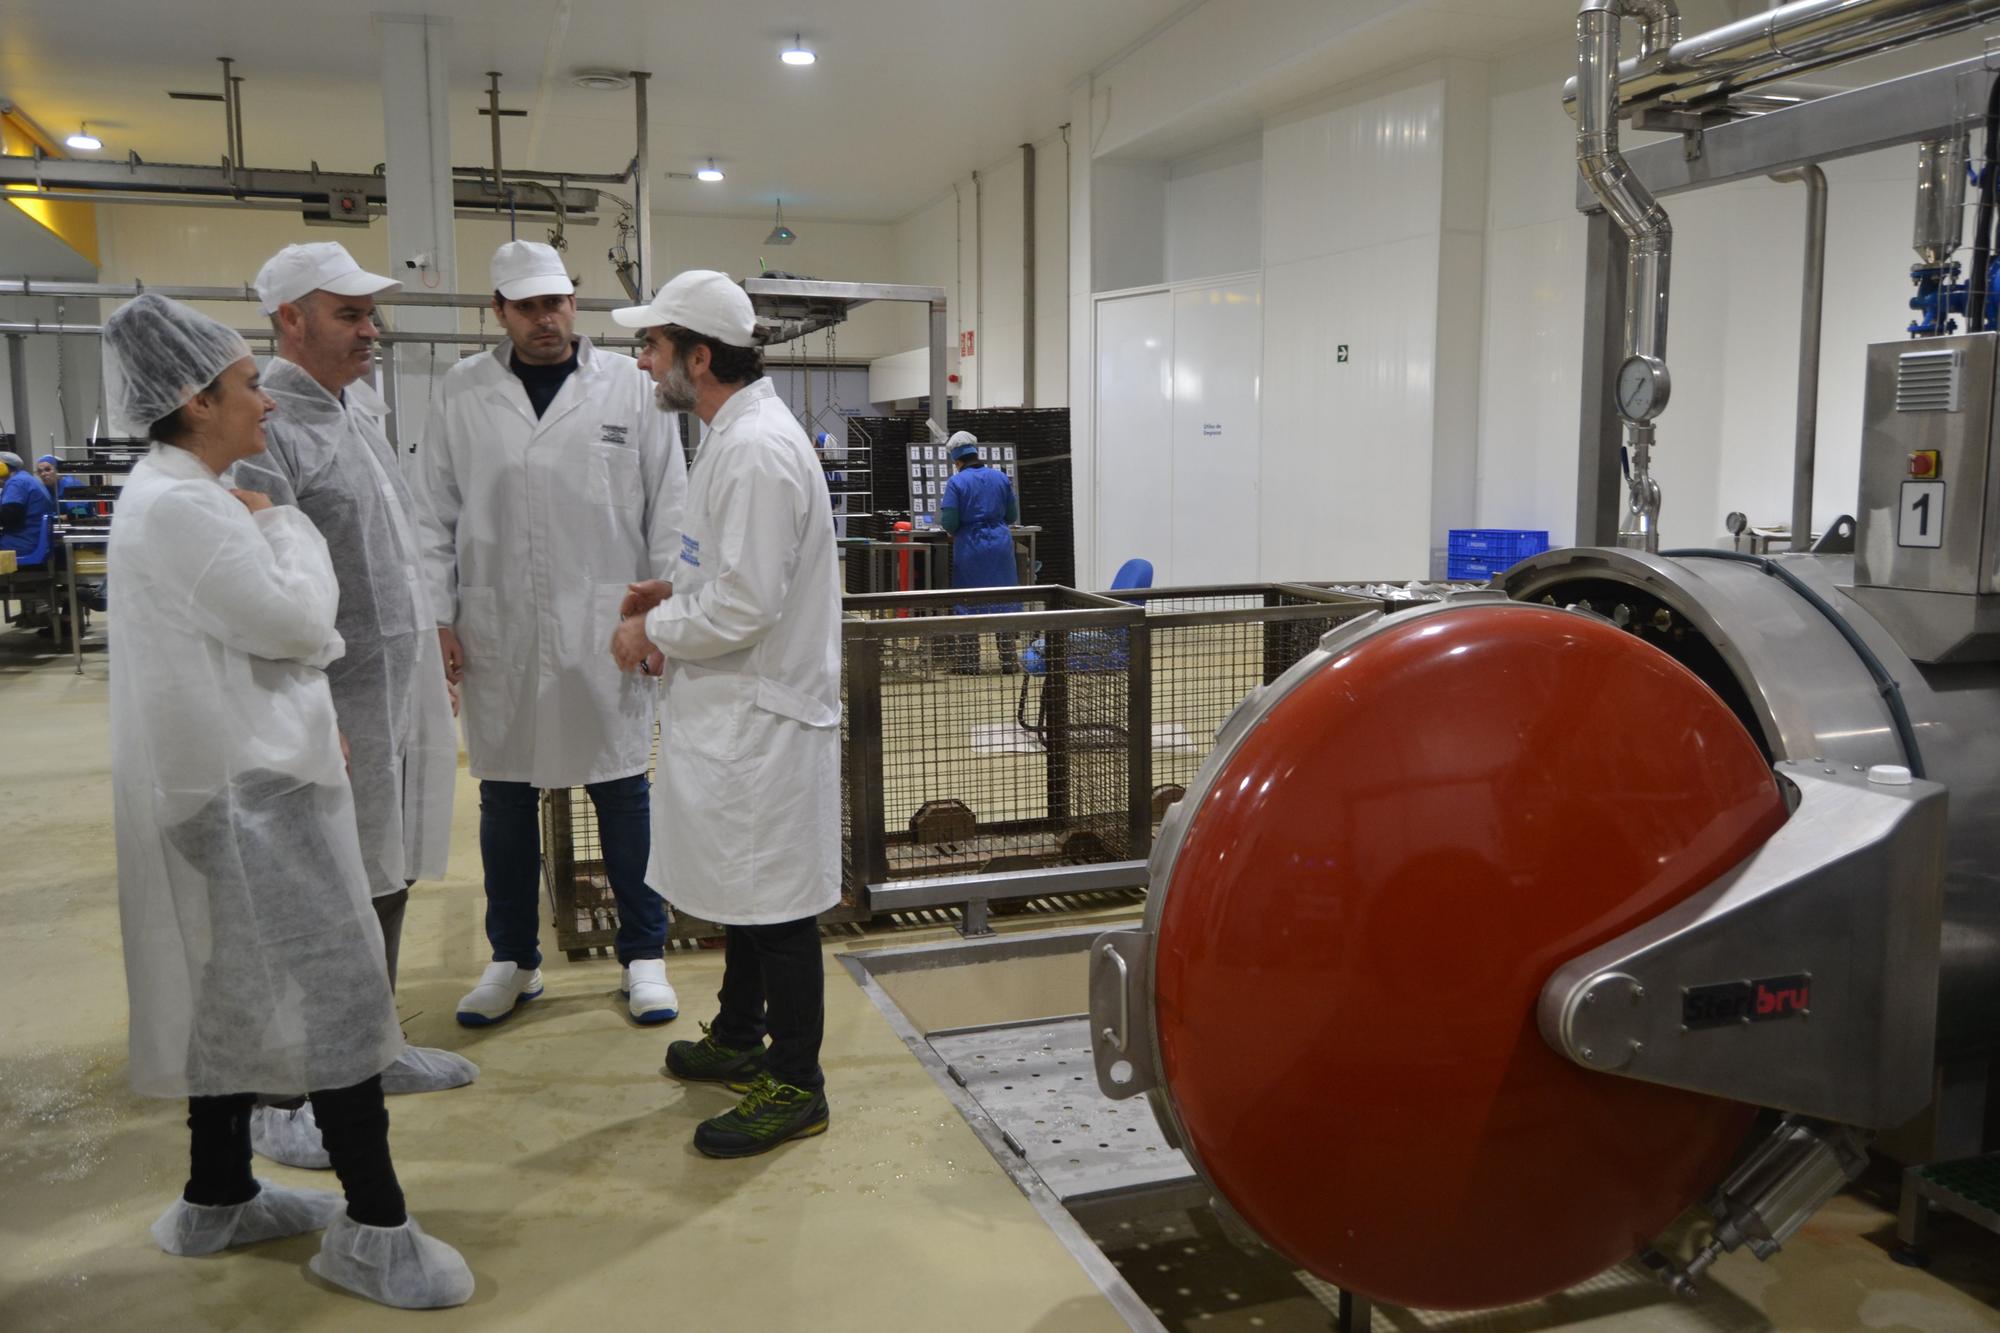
(1649,258)
(1805,445)
(1781,43)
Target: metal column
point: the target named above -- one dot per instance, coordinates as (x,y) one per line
(417,175)
(642,186)
(1600,491)
(940,366)
(17,378)
(1027,275)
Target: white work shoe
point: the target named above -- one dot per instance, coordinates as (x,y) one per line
(288,1137)
(648,993)
(427,1069)
(501,987)
(400,1266)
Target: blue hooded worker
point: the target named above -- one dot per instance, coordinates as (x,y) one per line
(25,505)
(978,506)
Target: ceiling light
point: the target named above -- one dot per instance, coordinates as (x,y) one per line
(781,234)
(798,53)
(83,140)
(600,80)
(711,172)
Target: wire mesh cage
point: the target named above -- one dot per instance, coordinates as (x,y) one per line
(998,740)
(1211,646)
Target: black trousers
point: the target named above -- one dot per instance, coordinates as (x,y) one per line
(354,1124)
(774,981)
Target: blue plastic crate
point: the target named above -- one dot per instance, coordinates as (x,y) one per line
(1475,567)
(1505,545)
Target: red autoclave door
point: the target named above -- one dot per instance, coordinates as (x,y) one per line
(1362,911)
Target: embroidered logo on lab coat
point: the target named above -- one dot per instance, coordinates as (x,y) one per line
(690,551)
(613,435)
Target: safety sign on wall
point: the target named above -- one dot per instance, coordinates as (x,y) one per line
(965,342)
(1921,520)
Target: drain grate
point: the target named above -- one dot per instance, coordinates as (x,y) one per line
(1037,1083)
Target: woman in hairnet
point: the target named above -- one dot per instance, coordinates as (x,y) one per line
(252,956)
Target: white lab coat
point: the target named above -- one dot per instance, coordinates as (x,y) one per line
(332,459)
(532,530)
(252,958)
(746,808)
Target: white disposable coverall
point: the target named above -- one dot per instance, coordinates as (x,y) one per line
(252,958)
(532,530)
(332,459)
(746,809)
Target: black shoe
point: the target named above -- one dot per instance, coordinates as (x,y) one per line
(769,1114)
(709,1061)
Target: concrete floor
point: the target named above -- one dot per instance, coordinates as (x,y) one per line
(565,1174)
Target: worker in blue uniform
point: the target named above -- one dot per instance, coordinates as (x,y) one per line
(24,504)
(977,508)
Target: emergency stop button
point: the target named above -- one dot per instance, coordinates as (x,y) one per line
(1924,463)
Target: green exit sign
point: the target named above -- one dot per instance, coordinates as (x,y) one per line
(1340,354)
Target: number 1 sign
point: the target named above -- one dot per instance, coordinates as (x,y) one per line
(1921,520)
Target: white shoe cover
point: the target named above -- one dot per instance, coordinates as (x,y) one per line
(189,1229)
(427,1069)
(399,1266)
(290,1138)
(649,995)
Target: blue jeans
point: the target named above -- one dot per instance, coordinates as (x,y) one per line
(510,843)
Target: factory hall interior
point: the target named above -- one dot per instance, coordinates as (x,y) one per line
(1177,665)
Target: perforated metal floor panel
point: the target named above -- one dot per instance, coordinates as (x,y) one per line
(1037,1083)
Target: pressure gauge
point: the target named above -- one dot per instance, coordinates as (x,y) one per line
(1642,387)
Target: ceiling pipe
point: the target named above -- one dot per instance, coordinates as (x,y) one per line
(1778,44)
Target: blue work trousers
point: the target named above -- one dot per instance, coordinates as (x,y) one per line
(510,843)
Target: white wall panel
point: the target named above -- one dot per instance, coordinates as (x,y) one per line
(1218,363)
(1347,447)
(1215,221)
(1531,378)
(1357,175)
(1128,222)
(1133,482)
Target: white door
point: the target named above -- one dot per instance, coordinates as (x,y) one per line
(1218,356)
(1134,431)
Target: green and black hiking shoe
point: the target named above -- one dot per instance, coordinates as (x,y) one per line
(769,1113)
(709,1061)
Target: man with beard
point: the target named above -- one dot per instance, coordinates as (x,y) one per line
(749,787)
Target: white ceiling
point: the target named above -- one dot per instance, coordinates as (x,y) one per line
(908,95)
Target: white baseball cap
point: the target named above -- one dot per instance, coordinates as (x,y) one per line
(522,269)
(700,300)
(323,266)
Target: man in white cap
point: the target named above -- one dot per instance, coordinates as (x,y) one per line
(552,485)
(749,785)
(329,455)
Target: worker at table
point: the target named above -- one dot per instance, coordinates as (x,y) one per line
(977,509)
(25,504)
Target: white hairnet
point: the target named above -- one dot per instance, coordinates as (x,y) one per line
(12,460)
(158,354)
